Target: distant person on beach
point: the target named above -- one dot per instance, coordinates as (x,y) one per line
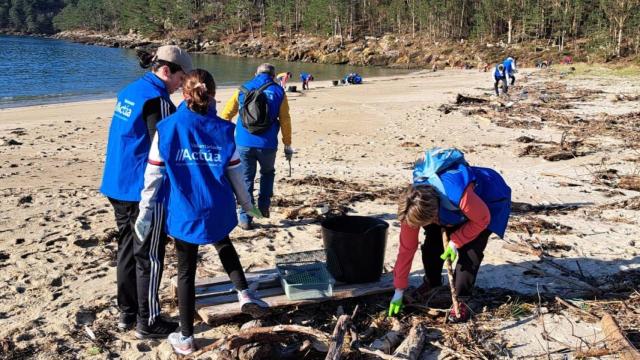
(305,78)
(194,167)
(283,78)
(468,202)
(510,69)
(257,133)
(499,74)
(140,107)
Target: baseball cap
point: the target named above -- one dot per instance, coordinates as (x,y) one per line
(174,54)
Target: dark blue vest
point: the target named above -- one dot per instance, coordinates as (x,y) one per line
(201,206)
(129,142)
(275,95)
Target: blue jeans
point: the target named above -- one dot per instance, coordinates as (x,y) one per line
(251,157)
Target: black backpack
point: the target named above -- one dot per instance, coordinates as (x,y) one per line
(255,109)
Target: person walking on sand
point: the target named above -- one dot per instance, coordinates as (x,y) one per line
(283,78)
(510,69)
(499,74)
(305,78)
(468,202)
(263,110)
(194,167)
(140,107)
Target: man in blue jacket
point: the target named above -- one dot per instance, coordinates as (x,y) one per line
(261,147)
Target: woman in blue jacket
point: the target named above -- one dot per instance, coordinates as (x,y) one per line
(194,168)
(139,108)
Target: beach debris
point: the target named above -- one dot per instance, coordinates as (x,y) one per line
(617,340)
(11,142)
(27,199)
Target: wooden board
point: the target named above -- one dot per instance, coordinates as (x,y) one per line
(219,307)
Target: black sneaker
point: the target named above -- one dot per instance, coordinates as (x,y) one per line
(265,212)
(126,321)
(160,329)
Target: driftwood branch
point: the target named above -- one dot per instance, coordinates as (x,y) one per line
(616,339)
(319,339)
(452,285)
(573,307)
(343,325)
(412,346)
(391,339)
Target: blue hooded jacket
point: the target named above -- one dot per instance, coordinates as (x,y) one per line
(201,206)
(129,142)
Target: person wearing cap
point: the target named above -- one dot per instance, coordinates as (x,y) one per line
(140,106)
(261,148)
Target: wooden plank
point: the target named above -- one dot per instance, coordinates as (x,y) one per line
(616,340)
(214,312)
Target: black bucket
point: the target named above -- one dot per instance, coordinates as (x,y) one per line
(355,247)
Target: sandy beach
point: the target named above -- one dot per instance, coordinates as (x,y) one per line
(57,232)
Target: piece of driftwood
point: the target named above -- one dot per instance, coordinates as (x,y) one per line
(616,340)
(522,249)
(573,307)
(463,99)
(389,341)
(319,339)
(452,285)
(343,325)
(412,346)
(337,338)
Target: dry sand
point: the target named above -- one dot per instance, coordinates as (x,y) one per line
(57,247)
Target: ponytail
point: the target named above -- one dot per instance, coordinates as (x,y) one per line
(199,88)
(145,59)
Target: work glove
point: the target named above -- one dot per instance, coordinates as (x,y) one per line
(255,212)
(288,152)
(450,253)
(395,306)
(142,226)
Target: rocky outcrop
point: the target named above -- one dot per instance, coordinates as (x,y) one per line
(388,50)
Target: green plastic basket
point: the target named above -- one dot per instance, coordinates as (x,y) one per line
(305,280)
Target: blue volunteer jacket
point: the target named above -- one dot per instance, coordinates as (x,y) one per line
(508,65)
(199,198)
(129,142)
(497,74)
(275,96)
(489,186)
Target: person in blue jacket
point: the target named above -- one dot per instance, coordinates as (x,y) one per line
(140,107)
(305,78)
(194,168)
(499,74)
(510,69)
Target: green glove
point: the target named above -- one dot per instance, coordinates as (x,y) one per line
(450,253)
(255,212)
(395,306)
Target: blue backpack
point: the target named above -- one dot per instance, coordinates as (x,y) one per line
(436,161)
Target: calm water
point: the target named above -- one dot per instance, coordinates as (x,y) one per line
(39,71)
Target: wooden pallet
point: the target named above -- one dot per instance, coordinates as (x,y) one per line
(217,301)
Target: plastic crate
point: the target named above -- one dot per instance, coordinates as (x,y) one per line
(305,280)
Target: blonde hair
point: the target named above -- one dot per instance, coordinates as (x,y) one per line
(418,206)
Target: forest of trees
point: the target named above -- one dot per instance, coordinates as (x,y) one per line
(610,24)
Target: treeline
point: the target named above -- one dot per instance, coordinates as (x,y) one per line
(602,25)
(29,16)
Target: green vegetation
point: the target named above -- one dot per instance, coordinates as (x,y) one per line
(607,28)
